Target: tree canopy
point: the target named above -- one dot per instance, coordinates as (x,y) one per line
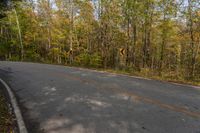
(4,4)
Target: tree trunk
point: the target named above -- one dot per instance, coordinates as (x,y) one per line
(20,35)
(191,38)
(71,32)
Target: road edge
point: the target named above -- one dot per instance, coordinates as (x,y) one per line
(120,74)
(17,111)
(136,77)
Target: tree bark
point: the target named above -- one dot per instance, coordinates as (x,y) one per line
(20,35)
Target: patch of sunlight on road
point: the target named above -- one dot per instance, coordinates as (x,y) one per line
(122,128)
(59,125)
(66,125)
(55,123)
(96,105)
(120,97)
(125,97)
(49,90)
(93,103)
(50,100)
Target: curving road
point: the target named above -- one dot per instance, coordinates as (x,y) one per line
(59,99)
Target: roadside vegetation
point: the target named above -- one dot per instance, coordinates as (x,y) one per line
(158,39)
(7,124)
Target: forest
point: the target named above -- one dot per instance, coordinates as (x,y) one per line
(149,38)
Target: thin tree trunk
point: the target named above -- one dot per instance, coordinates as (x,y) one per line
(20,35)
(134,43)
(191,38)
(163,43)
(71,32)
(127,44)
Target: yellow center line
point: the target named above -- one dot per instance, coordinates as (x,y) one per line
(158,103)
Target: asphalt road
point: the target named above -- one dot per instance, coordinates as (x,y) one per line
(59,99)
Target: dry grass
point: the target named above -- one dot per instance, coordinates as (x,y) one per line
(7,124)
